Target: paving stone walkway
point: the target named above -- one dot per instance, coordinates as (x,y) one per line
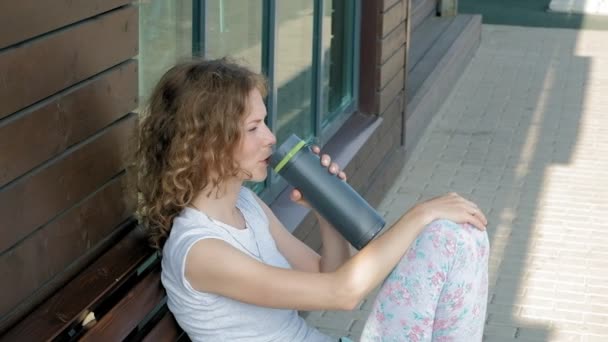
(525,135)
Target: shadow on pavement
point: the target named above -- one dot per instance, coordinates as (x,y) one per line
(513,120)
(530,13)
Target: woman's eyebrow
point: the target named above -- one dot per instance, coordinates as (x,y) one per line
(258,120)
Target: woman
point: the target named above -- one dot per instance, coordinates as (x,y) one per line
(234,273)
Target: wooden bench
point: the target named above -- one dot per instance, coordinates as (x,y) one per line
(118,297)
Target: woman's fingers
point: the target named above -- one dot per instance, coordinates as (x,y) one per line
(476,217)
(482,217)
(473,213)
(475,221)
(470,207)
(325,160)
(333,168)
(476,211)
(296,195)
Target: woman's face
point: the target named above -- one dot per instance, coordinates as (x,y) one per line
(255,147)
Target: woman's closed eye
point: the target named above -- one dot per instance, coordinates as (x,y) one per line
(253,128)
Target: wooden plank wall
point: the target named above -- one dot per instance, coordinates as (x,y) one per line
(383,78)
(68,86)
(384,41)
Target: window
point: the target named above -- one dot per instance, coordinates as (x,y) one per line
(234,28)
(165,36)
(306,48)
(294,69)
(338,44)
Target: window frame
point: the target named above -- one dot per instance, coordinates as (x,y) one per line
(274,185)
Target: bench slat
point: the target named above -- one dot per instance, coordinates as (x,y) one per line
(53,255)
(124,317)
(166,329)
(93,283)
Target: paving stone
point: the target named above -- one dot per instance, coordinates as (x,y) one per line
(524,134)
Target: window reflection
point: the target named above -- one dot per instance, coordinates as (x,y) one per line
(234,28)
(165,36)
(169,31)
(338,58)
(293,67)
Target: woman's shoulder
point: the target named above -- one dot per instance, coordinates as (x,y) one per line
(191,224)
(250,202)
(247,194)
(190,218)
(249,198)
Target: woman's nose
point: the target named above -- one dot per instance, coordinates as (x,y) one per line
(272,138)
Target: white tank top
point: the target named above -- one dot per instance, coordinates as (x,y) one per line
(209,317)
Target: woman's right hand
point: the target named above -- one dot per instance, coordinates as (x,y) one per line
(452,207)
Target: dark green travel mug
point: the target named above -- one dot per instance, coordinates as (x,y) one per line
(330,196)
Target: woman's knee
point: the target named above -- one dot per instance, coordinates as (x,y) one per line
(452,239)
(462,232)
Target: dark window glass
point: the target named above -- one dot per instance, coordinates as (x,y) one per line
(293,68)
(337,49)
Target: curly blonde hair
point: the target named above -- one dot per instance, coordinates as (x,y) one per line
(187,136)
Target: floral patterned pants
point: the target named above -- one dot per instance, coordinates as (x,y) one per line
(438,291)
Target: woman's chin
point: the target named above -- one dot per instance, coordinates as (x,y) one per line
(257,178)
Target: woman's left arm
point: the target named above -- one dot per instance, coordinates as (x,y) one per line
(298,254)
(335,250)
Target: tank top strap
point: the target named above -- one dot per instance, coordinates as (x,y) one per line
(248,202)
